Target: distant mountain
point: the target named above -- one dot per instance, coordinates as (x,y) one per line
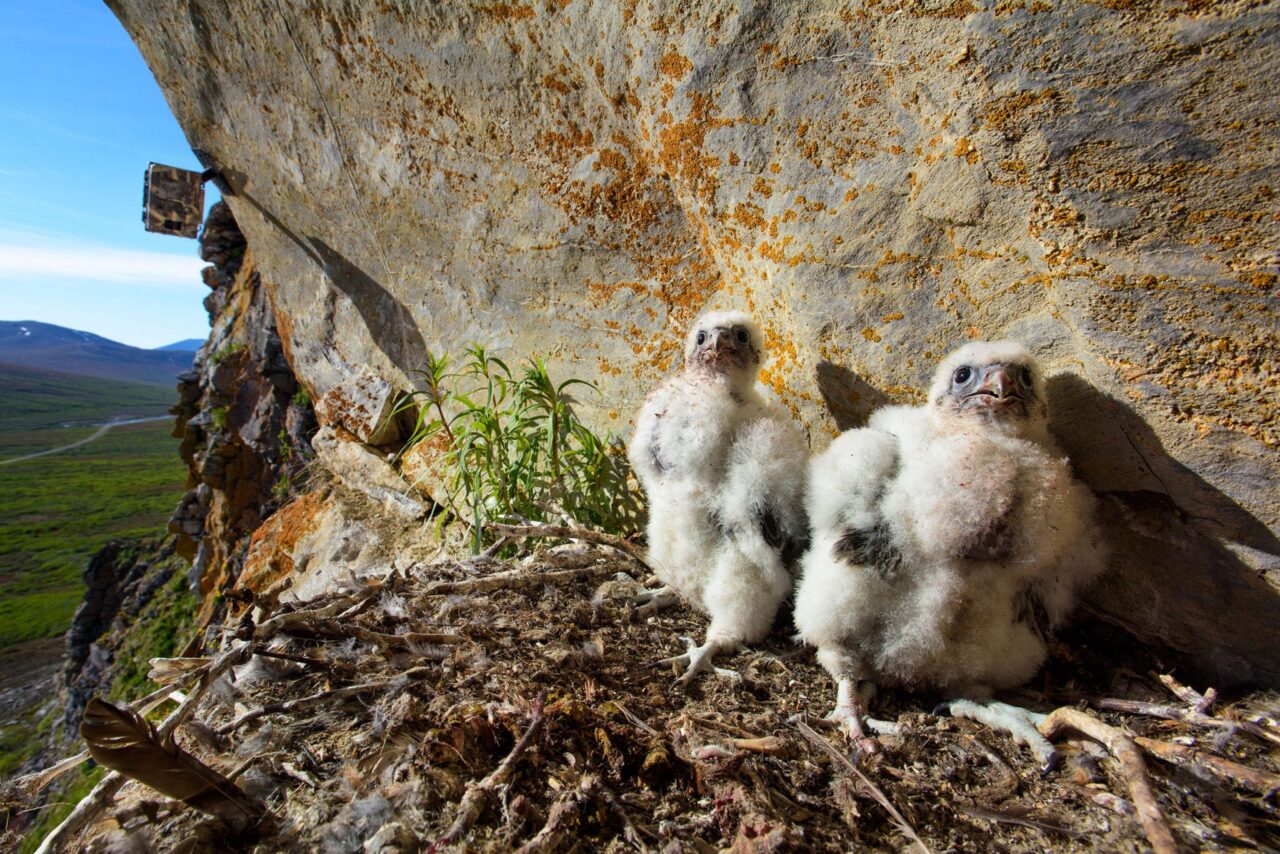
(54,348)
(186,345)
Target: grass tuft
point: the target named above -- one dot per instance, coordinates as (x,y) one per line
(515,448)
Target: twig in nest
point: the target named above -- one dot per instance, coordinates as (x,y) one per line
(495,548)
(1022,819)
(630,716)
(32,783)
(872,789)
(568,532)
(478,794)
(1262,782)
(1193,698)
(297,659)
(770,745)
(335,694)
(562,819)
(1131,764)
(1185,715)
(333,628)
(83,813)
(629,831)
(338,606)
(517,579)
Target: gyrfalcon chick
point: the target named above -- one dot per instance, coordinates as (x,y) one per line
(724,472)
(948,540)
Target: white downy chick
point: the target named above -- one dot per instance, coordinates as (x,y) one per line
(724,472)
(948,540)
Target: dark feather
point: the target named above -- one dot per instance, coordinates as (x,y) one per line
(788,546)
(122,741)
(655,450)
(995,543)
(654,454)
(1028,608)
(872,547)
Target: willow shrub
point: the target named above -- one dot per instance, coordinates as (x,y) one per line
(515,449)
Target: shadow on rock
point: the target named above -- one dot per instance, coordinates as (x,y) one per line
(390,324)
(391,327)
(1173,581)
(848,397)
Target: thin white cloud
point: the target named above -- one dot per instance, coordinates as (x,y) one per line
(30,263)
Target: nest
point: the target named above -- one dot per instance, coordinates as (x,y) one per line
(486,705)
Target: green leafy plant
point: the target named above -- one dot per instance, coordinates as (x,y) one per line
(227,352)
(514,448)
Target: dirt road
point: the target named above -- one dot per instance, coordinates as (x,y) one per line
(101,430)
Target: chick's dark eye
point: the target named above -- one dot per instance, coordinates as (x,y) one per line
(741,335)
(701,339)
(1026,377)
(963,374)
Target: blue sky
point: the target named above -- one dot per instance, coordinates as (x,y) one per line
(80,118)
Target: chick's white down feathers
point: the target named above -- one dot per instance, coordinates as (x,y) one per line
(947,538)
(724,471)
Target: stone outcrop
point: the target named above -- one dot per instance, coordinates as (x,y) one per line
(878,182)
(121,581)
(244,421)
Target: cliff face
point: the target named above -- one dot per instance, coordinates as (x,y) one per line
(878,182)
(244,422)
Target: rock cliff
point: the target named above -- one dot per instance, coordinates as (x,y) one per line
(244,422)
(876,181)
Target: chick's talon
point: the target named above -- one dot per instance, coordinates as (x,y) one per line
(850,722)
(651,602)
(698,659)
(1018,722)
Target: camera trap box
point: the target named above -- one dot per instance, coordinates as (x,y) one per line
(172,200)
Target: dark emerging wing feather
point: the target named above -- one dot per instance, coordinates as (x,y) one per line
(789,546)
(1029,608)
(655,448)
(872,547)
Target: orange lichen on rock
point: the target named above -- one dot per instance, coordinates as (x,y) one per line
(680,148)
(270,555)
(674,65)
(508,11)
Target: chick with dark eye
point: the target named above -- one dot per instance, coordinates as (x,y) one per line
(723,468)
(962,520)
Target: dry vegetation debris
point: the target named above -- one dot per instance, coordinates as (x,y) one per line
(493,705)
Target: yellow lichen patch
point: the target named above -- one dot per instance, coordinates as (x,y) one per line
(553,82)
(674,65)
(748,215)
(680,148)
(613,160)
(964,148)
(1007,114)
(870,334)
(508,11)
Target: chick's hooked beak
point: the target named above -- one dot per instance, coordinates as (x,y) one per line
(721,347)
(1002,381)
(1001,385)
